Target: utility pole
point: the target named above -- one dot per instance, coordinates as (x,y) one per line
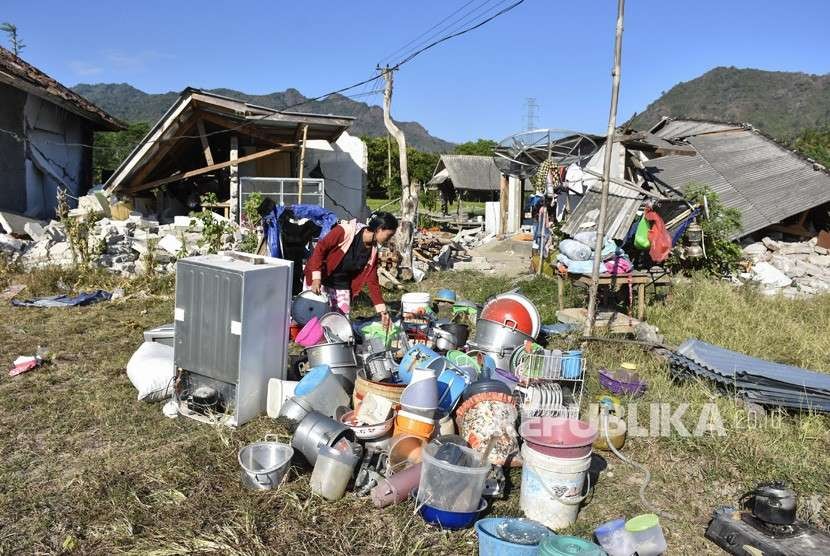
(388,165)
(409,198)
(606,171)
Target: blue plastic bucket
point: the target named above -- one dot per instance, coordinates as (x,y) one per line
(572,364)
(491,544)
(417,356)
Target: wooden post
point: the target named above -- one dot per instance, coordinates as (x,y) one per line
(606,172)
(200,125)
(234,179)
(301,165)
(409,201)
(504,195)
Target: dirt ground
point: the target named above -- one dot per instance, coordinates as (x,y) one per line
(86,468)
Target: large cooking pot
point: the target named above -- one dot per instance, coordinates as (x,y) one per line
(772,503)
(499,337)
(459,333)
(335,354)
(509,311)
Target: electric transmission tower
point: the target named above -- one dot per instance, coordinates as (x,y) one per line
(532,113)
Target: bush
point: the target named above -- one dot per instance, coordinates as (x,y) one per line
(722,254)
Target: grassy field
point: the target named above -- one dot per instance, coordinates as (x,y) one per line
(86,468)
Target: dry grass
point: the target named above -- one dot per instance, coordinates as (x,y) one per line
(85,467)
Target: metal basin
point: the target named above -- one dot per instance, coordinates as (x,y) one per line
(264,464)
(336,354)
(496,336)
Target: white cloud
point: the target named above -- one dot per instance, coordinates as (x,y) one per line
(137,61)
(84,69)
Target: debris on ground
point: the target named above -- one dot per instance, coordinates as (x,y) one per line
(12,291)
(63,300)
(794,269)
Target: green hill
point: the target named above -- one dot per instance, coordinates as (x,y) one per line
(781,104)
(133,105)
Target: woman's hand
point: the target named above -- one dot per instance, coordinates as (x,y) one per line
(316,286)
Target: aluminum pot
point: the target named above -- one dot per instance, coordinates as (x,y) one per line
(315,431)
(295,409)
(497,336)
(380,366)
(347,375)
(263,464)
(337,354)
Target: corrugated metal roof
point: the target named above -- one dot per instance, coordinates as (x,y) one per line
(472,172)
(621,212)
(764,180)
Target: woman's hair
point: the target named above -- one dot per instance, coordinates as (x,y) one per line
(382,220)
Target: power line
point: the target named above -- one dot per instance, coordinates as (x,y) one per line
(458,23)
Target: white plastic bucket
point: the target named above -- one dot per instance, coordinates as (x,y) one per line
(415,302)
(551,488)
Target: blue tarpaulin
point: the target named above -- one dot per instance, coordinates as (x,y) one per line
(83,298)
(324,218)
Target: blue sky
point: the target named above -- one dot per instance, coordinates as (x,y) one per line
(473,86)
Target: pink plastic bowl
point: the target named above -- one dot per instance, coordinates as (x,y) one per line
(559,437)
(310,334)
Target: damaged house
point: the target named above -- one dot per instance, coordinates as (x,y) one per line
(210,144)
(46,133)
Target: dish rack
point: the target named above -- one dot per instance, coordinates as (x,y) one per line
(551,383)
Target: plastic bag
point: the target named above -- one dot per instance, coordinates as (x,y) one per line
(641,240)
(658,236)
(151,371)
(575,250)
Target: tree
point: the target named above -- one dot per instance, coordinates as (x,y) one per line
(814,143)
(420,164)
(112,147)
(482,147)
(16,42)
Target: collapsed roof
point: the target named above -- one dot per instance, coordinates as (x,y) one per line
(200,120)
(751,172)
(16,72)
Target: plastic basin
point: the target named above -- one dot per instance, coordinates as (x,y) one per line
(491,543)
(451,520)
(559,437)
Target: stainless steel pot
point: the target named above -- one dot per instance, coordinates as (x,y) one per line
(315,431)
(380,366)
(495,336)
(337,354)
(263,464)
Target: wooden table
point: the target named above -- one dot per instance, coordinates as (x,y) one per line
(655,276)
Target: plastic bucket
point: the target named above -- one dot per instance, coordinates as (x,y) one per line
(551,488)
(491,544)
(417,356)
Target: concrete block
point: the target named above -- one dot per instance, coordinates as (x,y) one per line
(34,230)
(171,244)
(795,249)
(14,223)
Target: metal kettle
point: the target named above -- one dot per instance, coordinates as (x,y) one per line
(773,503)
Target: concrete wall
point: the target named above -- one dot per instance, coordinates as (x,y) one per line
(55,157)
(12,151)
(344,166)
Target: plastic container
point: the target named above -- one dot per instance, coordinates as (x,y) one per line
(647,535)
(551,489)
(321,388)
(461,359)
(452,520)
(623,381)
(617,431)
(614,539)
(397,487)
(456,487)
(367,432)
(416,356)
(559,437)
(332,472)
(500,536)
(363,386)
(572,364)
(413,424)
(444,424)
(422,391)
(560,545)
(405,450)
(278,393)
(451,385)
(310,334)
(485,385)
(415,303)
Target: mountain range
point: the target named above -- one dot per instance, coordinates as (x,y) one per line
(134,105)
(781,104)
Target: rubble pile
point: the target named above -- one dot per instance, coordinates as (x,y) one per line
(121,246)
(793,269)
